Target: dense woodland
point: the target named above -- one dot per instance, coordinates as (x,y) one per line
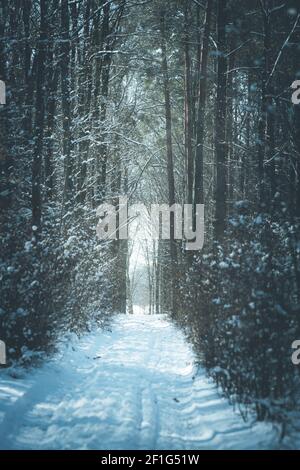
(185,101)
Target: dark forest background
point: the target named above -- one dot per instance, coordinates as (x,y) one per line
(163,101)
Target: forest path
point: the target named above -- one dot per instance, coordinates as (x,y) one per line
(134,387)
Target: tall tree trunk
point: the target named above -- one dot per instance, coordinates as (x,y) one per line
(220,136)
(262,124)
(65,102)
(244,162)
(84,106)
(119,247)
(170,164)
(101,183)
(52,77)
(198,185)
(269,101)
(229,125)
(36,199)
(29,87)
(188,107)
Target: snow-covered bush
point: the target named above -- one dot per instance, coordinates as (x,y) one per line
(246,313)
(49,286)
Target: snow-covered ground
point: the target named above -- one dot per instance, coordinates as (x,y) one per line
(135,387)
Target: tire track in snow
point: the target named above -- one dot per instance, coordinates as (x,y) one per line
(133,387)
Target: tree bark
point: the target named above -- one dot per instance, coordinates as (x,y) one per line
(220,136)
(170,164)
(105,69)
(65,102)
(52,77)
(36,200)
(202,93)
(187,108)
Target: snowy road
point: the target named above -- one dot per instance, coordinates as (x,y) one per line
(135,387)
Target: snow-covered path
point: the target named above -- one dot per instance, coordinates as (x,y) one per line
(135,387)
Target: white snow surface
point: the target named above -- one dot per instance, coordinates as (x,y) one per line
(134,386)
